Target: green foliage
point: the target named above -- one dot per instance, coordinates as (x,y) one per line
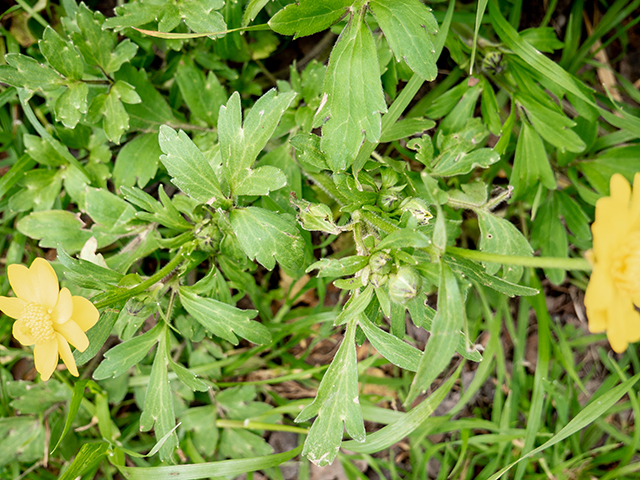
(229,210)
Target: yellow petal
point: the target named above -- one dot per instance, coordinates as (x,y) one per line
(72,332)
(612,220)
(624,324)
(64,307)
(635,202)
(46,357)
(84,313)
(22,333)
(599,291)
(20,281)
(45,282)
(12,306)
(66,355)
(597,320)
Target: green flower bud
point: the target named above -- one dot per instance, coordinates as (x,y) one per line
(208,238)
(388,200)
(380,262)
(418,208)
(404,285)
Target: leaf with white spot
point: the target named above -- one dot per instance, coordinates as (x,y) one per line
(336,402)
(353,98)
(240,143)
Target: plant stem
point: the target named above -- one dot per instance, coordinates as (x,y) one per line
(536,262)
(141,287)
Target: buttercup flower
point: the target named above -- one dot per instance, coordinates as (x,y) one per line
(614,288)
(46,317)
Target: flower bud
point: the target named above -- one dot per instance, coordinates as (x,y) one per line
(418,208)
(208,238)
(388,200)
(404,285)
(380,262)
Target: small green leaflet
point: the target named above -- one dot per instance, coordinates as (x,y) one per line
(352,97)
(55,228)
(339,267)
(267,236)
(358,302)
(158,403)
(241,143)
(24,72)
(72,104)
(137,161)
(127,354)
(188,167)
(391,347)
(407,25)
(530,166)
(337,401)
(498,235)
(61,55)
(445,334)
(307,17)
(224,320)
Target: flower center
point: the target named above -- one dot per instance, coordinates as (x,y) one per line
(626,265)
(39,322)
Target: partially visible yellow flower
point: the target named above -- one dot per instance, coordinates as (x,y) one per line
(46,317)
(614,288)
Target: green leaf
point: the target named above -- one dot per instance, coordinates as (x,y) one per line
(624,160)
(542,38)
(86,274)
(396,431)
(137,161)
(339,267)
(203,95)
(241,143)
(200,17)
(61,54)
(224,320)
(158,410)
(554,127)
(55,228)
(94,43)
(188,167)
(308,149)
(44,151)
(337,401)
(407,26)
(353,97)
(187,377)
(40,188)
(72,104)
(576,219)
(164,213)
(29,74)
(19,437)
(88,457)
(261,181)
(98,335)
(476,272)
(132,15)
(498,235)
(407,128)
(308,17)
(267,236)
(530,165)
(403,238)
(252,10)
(549,235)
(445,334)
(391,347)
(358,302)
(153,110)
(74,406)
(460,163)
(125,355)
(108,210)
(489,108)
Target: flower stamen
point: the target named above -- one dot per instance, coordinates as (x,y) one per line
(39,322)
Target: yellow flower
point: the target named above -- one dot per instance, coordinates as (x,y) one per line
(614,288)
(46,317)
